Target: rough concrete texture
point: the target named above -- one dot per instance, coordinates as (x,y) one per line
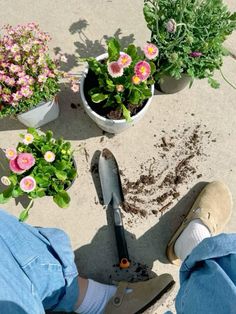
(80,28)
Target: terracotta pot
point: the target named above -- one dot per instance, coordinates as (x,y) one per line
(44,113)
(170,85)
(109,125)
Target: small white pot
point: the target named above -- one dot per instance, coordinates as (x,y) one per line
(44,113)
(109,125)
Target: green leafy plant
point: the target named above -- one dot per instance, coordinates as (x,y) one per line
(39,166)
(28,75)
(124,78)
(189,35)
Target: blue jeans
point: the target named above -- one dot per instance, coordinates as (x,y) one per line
(37,269)
(37,272)
(208,278)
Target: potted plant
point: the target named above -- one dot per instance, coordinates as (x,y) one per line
(190,37)
(117,87)
(39,166)
(29,77)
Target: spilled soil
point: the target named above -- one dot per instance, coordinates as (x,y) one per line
(155,189)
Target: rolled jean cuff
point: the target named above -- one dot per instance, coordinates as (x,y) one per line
(70,297)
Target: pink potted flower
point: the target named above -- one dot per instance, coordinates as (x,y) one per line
(29,77)
(117,87)
(39,166)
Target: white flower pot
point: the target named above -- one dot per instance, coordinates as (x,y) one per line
(109,125)
(44,113)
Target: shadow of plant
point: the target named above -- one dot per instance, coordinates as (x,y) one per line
(86,47)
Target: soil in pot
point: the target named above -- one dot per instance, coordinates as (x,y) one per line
(107,112)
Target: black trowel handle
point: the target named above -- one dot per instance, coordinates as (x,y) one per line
(120,240)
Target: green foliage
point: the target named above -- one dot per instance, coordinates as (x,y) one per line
(201,26)
(41,94)
(113,49)
(119,93)
(52,178)
(62,199)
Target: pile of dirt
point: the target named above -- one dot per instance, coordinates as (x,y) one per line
(175,163)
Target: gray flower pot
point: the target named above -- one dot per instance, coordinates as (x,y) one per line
(170,85)
(44,113)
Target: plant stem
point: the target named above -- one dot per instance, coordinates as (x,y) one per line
(30,205)
(157,20)
(226,80)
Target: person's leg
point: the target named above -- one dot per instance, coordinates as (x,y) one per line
(45,258)
(208,271)
(208,277)
(208,216)
(93,296)
(128,297)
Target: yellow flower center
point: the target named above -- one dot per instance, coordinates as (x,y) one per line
(136,79)
(28,183)
(150,50)
(124,60)
(143,69)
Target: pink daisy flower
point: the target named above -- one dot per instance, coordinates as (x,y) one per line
(28,184)
(25,161)
(49,156)
(136,80)
(142,69)
(114,69)
(15,167)
(28,139)
(151,51)
(124,60)
(11,153)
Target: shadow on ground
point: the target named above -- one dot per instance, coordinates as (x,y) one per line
(86,47)
(97,259)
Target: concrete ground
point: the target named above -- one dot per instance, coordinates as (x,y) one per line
(79,28)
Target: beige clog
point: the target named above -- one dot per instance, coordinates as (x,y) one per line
(213,206)
(143,295)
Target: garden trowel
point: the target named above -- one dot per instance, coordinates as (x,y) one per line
(113,196)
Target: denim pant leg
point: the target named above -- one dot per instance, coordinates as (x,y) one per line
(46,258)
(208,278)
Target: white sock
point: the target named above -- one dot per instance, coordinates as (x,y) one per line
(192,235)
(96,298)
